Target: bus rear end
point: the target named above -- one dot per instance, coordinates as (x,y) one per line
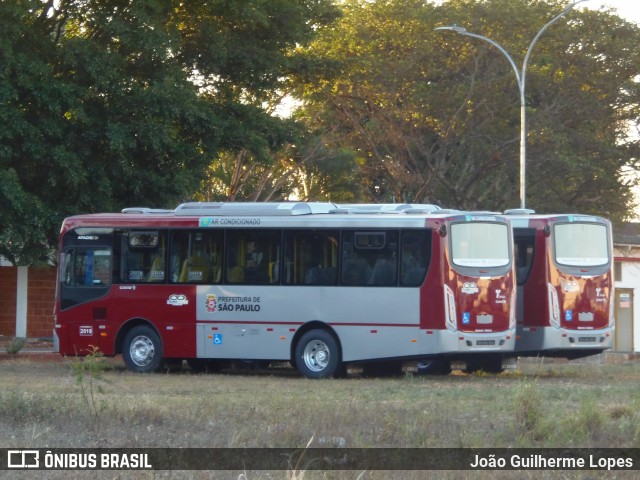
(566,285)
(477,281)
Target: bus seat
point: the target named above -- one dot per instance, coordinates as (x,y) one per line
(194,269)
(235,274)
(383,273)
(156,273)
(413,276)
(320,276)
(311,277)
(355,271)
(274,276)
(216,274)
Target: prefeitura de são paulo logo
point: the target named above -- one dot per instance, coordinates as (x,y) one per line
(210,303)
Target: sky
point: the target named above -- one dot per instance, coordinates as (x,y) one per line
(629,9)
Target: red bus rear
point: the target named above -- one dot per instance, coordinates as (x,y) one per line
(565,285)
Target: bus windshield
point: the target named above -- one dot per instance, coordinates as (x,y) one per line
(581,244)
(480,244)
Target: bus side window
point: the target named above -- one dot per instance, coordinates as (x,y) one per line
(87,267)
(524,248)
(311,257)
(253,257)
(370,258)
(142,256)
(415,257)
(196,257)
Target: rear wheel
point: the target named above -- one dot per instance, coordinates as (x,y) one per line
(142,349)
(318,355)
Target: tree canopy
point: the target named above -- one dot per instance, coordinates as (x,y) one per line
(435,116)
(110,103)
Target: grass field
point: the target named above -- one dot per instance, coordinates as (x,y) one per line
(63,403)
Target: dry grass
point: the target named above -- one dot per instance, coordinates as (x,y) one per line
(540,405)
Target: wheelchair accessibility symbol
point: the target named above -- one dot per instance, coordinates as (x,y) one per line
(217,339)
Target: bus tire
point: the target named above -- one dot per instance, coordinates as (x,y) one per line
(142,350)
(318,355)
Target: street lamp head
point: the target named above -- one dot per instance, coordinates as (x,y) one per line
(453,28)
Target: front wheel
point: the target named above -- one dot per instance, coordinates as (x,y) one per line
(142,350)
(318,355)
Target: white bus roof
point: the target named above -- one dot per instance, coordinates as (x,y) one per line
(317,213)
(286,208)
(254,208)
(390,207)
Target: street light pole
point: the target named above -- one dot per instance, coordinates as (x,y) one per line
(521,79)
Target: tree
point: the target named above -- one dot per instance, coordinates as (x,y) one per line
(96,115)
(262,154)
(436,116)
(113,103)
(308,166)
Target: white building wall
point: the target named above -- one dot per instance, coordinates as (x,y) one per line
(631,279)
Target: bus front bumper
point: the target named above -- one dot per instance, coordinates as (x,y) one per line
(542,340)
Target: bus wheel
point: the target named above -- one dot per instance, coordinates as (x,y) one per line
(318,355)
(142,351)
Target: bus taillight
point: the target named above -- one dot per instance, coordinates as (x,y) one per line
(512,311)
(554,306)
(450,309)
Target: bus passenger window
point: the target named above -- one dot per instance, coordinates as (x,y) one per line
(143,256)
(416,255)
(253,257)
(370,258)
(311,257)
(196,257)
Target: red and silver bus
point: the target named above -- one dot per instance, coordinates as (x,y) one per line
(313,284)
(565,284)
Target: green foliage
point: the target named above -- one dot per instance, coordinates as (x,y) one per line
(89,375)
(529,416)
(435,115)
(112,103)
(310,169)
(16,345)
